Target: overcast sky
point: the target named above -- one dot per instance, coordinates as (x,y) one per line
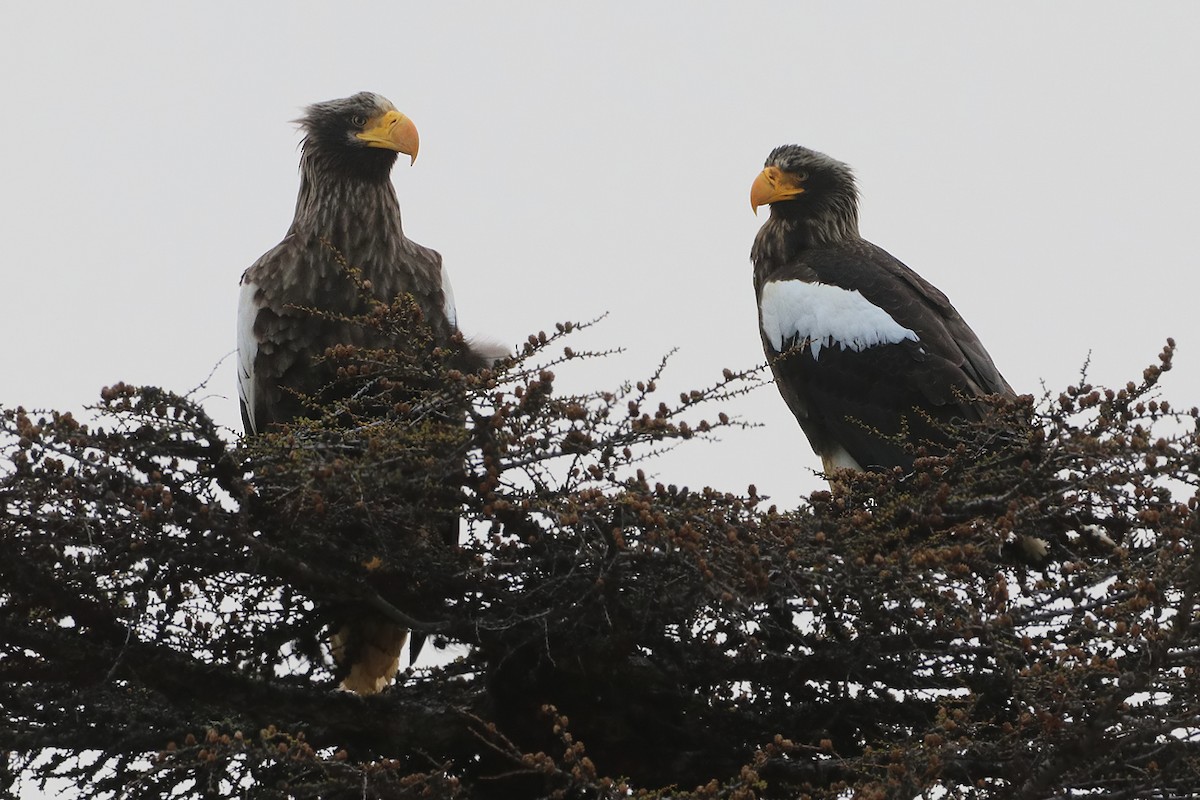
(1036,161)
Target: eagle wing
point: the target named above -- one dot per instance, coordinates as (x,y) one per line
(275,340)
(870,357)
(917,303)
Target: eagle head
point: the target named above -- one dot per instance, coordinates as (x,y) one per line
(359,136)
(808,187)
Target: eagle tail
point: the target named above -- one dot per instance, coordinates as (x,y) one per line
(372,648)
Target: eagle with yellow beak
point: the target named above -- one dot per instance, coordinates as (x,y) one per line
(872,359)
(299,299)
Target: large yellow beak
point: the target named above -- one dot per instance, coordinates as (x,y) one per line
(773,185)
(393,131)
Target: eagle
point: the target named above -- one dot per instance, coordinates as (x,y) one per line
(298,300)
(871,358)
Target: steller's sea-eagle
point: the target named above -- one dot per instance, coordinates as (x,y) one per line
(297,300)
(870,357)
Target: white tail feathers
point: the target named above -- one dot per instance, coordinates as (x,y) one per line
(488,349)
(372,646)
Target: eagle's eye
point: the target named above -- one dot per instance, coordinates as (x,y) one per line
(801,175)
(358,120)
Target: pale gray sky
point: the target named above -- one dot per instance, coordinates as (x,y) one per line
(1036,161)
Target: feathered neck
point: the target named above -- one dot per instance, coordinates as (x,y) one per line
(347,207)
(804,223)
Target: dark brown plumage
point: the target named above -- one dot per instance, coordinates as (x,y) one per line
(347,208)
(871,358)
(347,214)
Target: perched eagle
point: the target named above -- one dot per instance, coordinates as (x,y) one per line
(870,357)
(347,214)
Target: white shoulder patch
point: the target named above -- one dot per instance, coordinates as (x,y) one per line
(247,349)
(824,316)
(448,301)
